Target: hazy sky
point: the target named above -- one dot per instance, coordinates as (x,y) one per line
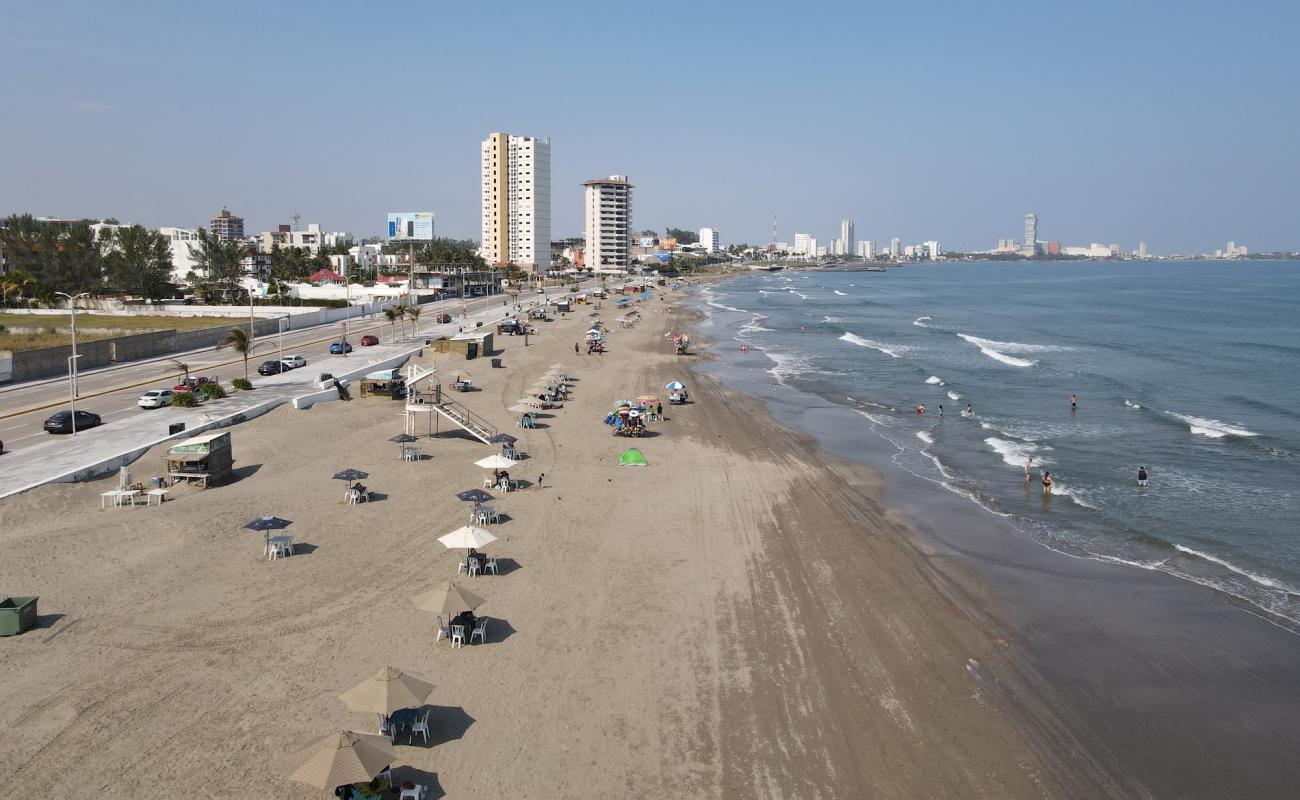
(1174,122)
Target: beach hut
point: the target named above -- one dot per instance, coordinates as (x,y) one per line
(384,383)
(632,457)
(201,459)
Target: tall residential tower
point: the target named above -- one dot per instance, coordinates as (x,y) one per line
(1031,235)
(609,222)
(517,201)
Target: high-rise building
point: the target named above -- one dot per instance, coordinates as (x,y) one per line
(609,222)
(802,243)
(932,249)
(517,201)
(1031,234)
(709,240)
(1142,249)
(227,227)
(867,249)
(846,235)
(895,247)
(840,248)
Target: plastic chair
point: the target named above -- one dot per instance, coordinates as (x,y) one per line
(473,568)
(457,635)
(386,727)
(487,483)
(443,631)
(417,792)
(494,516)
(462,566)
(275,550)
(420,726)
(491,566)
(480,631)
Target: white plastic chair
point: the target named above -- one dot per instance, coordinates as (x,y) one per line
(487,483)
(457,635)
(443,631)
(490,566)
(386,727)
(420,726)
(462,566)
(494,516)
(417,792)
(473,567)
(275,550)
(480,631)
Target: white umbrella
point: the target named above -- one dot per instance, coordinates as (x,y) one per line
(467,536)
(676,385)
(520,408)
(497,461)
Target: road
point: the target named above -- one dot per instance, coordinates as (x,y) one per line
(112,392)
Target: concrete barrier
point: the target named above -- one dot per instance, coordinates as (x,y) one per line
(325,395)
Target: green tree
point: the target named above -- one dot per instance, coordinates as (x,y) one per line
(141,263)
(413,312)
(393,314)
(241,341)
(683,236)
(18,283)
(218,260)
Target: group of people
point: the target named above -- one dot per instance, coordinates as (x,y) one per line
(501,479)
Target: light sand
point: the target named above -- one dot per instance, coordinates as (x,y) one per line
(740,619)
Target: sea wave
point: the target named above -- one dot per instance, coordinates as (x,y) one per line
(1014,453)
(920,322)
(787,365)
(1058,489)
(752,326)
(953,395)
(841,294)
(1131,405)
(925,437)
(710,298)
(853,338)
(831,319)
(1211,428)
(1262,580)
(934,380)
(989,348)
(800,295)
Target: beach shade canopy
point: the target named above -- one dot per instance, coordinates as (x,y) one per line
(467,536)
(632,457)
(347,757)
(268,523)
(386,691)
(404,438)
(474,495)
(503,438)
(497,461)
(448,599)
(520,408)
(350,475)
(647,398)
(675,385)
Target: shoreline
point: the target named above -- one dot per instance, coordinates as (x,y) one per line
(1150,670)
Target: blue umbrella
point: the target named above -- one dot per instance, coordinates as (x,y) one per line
(676,385)
(350,475)
(503,438)
(402,438)
(266,525)
(477,495)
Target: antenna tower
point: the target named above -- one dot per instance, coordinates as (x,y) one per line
(296,218)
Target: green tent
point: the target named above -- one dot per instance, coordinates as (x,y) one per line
(632,458)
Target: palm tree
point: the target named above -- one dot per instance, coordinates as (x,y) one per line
(182,366)
(18,283)
(414,313)
(392,314)
(241,342)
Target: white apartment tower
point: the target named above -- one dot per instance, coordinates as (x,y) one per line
(867,249)
(846,235)
(609,222)
(709,240)
(802,244)
(895,248)
(517,201)
(1031,234)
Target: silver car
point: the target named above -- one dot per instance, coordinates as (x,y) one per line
(155,398)
(294,361)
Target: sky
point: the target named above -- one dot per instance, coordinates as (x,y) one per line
(1176,123)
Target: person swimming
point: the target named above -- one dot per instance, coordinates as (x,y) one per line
(920,409)
(1142,477)
(941,411)
(1047,482)
(1074,402)
(970,411)
(1029,462)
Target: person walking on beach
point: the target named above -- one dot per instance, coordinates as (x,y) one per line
(659,410)
(1047,482)
(1029,462)
(1074,402)
(575,349)
(1142,477)
(541,476)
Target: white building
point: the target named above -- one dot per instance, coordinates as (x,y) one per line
(840,247)
(311,239)
(867,249)
(1142,249)
(365,256)
(709,240)
(932,249)
(821,251)
(516,201)
(803,244)
(895,247)
(1031,235)
(846,235)
(179,241)
(609,222)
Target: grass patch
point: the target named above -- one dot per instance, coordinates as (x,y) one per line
(86,323)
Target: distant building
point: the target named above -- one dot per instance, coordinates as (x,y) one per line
(841,247)
(227,227)
(932,249)
(516,185)
(609,222)
(709,240)
(821,251)
(1142,249)
(179,241)
(846,235)
(895,247)
(866,249)
(803,244)
(312,239)
(256,265)
(1031,234)
(1052,248)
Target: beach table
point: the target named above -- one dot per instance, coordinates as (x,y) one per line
(402,718)
(159,493)
(119,498)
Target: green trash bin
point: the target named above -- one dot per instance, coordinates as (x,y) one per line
(17,614)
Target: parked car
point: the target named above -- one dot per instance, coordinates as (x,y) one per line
(156,398)
(61,421)
(271,368)
(540,290)
(443,319)
(369,340)
(189,384)
(293,361)
(340,347)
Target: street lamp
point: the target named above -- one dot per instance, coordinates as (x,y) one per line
(72,359)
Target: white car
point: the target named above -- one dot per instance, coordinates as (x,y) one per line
(293,362)
(155,398)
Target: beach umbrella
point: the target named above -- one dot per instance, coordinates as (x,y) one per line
(476,495)
(497,461)
(386,691)
(467,536)
(520,408)
(346,757)
(448,599)
(266,525)
(675,385)
(404,438)
(350,475)
(647,398)
(503,438)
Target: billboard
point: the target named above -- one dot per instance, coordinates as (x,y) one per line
(410,225)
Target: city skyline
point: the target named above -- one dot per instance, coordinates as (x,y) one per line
(1096,155)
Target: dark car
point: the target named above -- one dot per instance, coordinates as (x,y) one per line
(443,318)
(340,347)
(61,421)
(270,368)
(369,341)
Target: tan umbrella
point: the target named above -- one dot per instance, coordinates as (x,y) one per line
(386,691)
(347,757)
(520,408)
(448,599)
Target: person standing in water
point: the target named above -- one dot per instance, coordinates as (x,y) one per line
(941,411)
(1029,462)
(970,410)
(1047,482)
(1074,402)
(1142,477)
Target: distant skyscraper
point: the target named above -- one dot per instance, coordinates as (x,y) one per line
(841,247)
(932,249)
(709,239)
(802,244)
(846,235)
(609,222)
(1142,249)
(1031,234)
(227,227)
(516,201)
(867,249)
(895,247)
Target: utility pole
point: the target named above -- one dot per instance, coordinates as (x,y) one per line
(72,359)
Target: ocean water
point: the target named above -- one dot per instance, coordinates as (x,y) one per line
(1190,369)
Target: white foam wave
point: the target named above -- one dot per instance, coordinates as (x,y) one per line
(986,347)
(1262,580)
(1014,453)
(920,322)
(841,294)
(1134,406)
(831,319)
(853,338)
(934,380)
(1211,428)
(1057,488)
(800,295)
(925,437)
(787,365)
(953,395)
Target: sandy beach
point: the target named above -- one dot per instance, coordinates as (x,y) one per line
(742,618)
